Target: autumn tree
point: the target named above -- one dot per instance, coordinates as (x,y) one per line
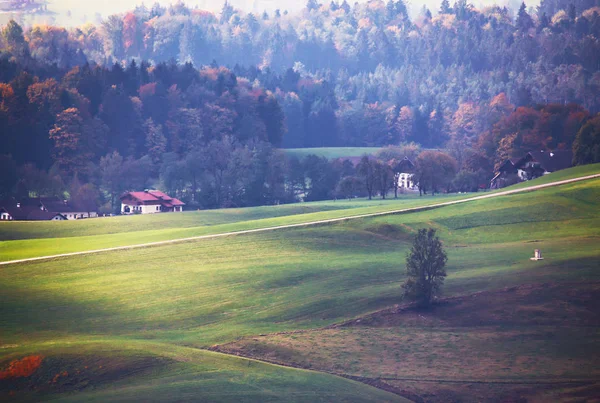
(425,268)
(586,148)
(368,172)
(405,124)
(113,34)
(111,174)
(464,130)
(156,143)
(349,187)
(434,170)
(67,135)
(86,197)
(384,177)
(12,33)
(321,177)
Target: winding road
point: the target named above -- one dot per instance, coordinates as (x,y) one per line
(306,224)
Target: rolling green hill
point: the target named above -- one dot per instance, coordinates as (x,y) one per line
(146,315)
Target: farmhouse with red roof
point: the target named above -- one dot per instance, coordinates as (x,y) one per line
(149,202)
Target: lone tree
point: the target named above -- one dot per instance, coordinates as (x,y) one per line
(425,268)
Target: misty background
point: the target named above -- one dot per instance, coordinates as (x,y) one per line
(76,12)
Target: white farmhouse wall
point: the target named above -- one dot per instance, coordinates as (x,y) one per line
(153,209)
(405,181)
(78,215)
(5,217)
(150,209)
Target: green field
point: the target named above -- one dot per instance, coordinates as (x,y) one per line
(19,240)
(331,152)
(146,315)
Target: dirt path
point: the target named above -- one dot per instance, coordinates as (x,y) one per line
(307,224)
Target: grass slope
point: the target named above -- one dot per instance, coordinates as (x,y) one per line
(31,239)
(198,294)
(121,370)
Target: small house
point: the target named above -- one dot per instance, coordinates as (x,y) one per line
(13,210)
(405,171)
(539,163)
(149,202)
(533,165)
(69,209)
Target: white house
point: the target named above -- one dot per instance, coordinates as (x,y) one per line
(66,208)
(405,175)
(149,202)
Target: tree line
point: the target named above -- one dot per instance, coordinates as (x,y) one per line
(362,74)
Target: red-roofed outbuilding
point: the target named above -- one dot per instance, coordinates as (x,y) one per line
(149,202)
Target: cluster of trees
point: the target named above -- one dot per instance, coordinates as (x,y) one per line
(141,99)
(116,127)
(362,74)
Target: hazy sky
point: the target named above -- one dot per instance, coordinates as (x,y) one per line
(81,11)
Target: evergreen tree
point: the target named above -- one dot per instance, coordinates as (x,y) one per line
(401,8)
(226,12)
(572,12)
(390,11)
(346,7)
(544,21)
(312,5)
(524,20)
(445,7)
(156,143)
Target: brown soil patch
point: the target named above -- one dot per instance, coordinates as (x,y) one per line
(570,304)
(500,393)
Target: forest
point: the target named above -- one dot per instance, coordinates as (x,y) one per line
(201,104)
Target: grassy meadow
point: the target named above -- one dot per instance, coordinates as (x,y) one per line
(331,152)
(137,323)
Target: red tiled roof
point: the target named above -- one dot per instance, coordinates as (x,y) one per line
(177,202)
(154,197)
(142,196)
(160,195)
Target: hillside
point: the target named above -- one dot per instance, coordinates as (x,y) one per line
(146,315)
